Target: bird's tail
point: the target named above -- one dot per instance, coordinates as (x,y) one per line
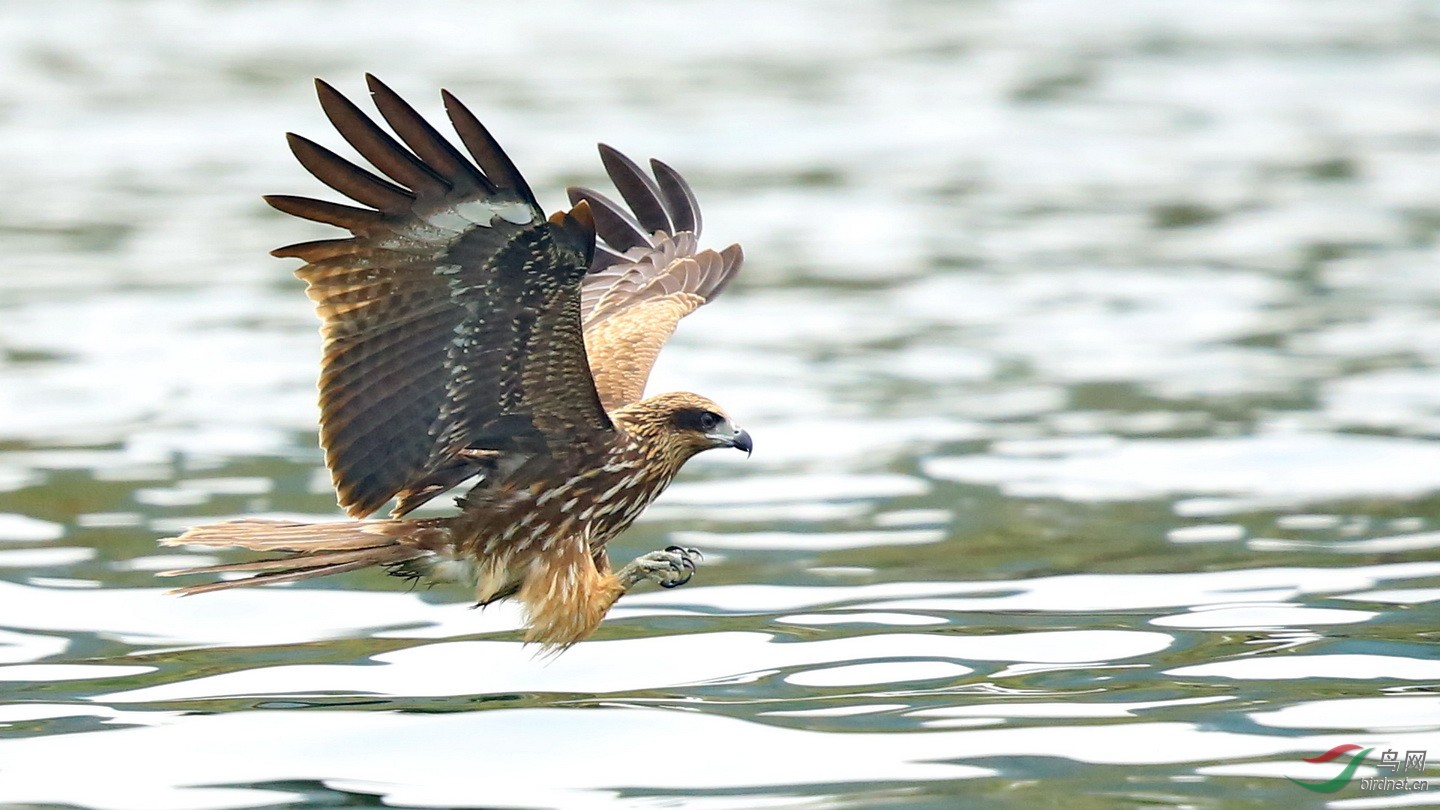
(308,549)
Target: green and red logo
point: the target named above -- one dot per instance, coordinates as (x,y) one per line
(1341,779)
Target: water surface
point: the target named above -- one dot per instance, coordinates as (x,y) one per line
(1090,350)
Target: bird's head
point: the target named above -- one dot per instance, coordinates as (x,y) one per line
(681,425)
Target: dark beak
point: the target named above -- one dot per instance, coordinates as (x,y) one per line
(742,442)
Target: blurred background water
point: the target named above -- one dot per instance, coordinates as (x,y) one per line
(1091,351)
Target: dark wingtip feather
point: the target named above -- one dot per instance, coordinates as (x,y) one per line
(316,251)
(383,151)
(485,149)
(427,142)
(356,220)
(679,198)
(637,189)
(347,178)
(612,222)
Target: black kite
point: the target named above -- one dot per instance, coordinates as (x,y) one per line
(466,336)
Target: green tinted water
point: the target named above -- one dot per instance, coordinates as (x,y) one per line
(1090,351)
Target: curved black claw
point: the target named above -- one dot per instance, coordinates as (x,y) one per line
(688,573)
(669,568)
(687,556)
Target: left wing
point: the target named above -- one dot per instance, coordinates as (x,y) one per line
(451,315)
(650,273)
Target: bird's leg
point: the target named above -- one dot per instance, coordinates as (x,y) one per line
(668,568)
(566,594)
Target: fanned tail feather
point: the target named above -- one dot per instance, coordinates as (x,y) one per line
(309,549)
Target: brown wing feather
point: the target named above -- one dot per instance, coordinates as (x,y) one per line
(648,274)
(451,318)
(624,346)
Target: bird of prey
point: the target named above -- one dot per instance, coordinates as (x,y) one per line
(467,335)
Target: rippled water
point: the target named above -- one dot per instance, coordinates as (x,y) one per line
(1090,348)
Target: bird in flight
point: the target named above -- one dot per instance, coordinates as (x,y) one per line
(467,335)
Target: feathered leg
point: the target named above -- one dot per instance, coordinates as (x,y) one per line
(567,593)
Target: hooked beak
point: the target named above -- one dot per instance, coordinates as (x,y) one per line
(741,441)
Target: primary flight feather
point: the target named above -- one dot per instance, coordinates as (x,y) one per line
(467,335)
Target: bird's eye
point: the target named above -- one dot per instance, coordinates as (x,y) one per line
(709,420)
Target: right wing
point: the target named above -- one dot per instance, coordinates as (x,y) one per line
(649,273)
(451,316)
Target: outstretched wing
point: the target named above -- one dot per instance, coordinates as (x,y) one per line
(649,273)
(451,316)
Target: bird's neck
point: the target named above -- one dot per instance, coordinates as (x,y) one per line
(664,455)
